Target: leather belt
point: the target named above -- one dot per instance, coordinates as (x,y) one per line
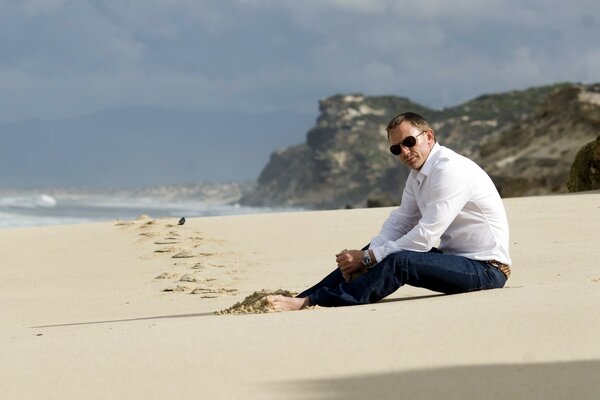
(505,269)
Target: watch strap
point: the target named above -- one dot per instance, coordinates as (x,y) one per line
(367,261)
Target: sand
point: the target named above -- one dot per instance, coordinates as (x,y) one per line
(105,311)
(256,303)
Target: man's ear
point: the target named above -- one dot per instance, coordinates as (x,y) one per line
(430,134)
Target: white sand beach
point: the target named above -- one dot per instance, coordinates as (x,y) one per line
(85,314)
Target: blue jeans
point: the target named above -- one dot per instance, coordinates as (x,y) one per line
(432,270)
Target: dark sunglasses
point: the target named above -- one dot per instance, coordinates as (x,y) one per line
(408,142)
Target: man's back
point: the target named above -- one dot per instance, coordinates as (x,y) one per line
(480,229)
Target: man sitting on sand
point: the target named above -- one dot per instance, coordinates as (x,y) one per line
(449,235)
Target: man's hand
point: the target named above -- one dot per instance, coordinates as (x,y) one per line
(349,262)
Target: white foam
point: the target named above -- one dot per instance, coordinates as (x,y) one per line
(28,201)
(46,201)
(31,209)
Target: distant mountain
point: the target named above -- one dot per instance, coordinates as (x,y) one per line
(526,140)
(140,146)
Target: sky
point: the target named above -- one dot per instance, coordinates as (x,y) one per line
(64,58)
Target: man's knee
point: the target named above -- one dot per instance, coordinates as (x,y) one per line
(398,262)
(399,258)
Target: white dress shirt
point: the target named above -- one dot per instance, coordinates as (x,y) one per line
(451,204)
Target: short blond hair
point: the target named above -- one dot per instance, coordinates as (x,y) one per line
(416,120)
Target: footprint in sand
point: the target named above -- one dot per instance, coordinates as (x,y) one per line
(206,293)
(203,266)
(170,249)
(149,234)
(191,278)
(124,223)
(184,254)
(188,278)
(211,293)
(148,224)
(202,289)
(167,275)
(178,288)
(167,241)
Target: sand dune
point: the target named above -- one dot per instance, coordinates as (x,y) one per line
(126,310)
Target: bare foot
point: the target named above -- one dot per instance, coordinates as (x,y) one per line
(283,303)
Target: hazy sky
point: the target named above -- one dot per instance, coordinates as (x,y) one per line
(62,58)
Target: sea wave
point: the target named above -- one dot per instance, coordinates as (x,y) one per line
(28,201)
(60,206)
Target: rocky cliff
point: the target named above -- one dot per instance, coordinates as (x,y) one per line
(534,156)
(526,140)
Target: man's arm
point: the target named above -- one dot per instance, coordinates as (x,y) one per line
(400,221)
(449,192)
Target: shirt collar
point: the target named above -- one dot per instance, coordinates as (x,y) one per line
(430,162)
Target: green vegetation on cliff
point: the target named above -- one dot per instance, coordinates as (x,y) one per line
(585,171)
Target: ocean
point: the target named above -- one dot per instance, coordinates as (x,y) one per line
(59,206)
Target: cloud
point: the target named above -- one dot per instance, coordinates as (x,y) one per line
(34,7)
(71,57)
(364,7)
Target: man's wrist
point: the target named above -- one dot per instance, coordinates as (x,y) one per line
(372,256)
(368,259)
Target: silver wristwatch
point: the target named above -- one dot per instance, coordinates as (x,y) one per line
(367,261)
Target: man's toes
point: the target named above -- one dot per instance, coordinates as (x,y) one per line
(272,301)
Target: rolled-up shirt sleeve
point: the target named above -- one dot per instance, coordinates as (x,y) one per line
(448,193)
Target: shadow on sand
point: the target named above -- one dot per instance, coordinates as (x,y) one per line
(206,314)
(127,320)
(540,381)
